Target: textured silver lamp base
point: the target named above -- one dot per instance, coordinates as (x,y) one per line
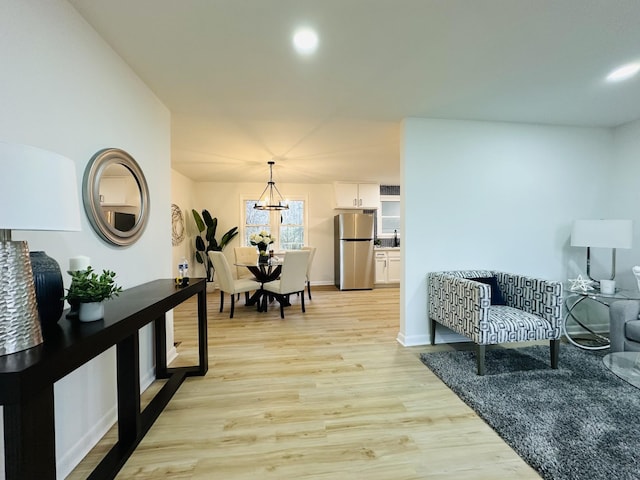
(19,321)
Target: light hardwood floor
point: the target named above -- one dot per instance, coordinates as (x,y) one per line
(328,394)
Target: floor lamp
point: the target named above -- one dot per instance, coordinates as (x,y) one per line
(38,191)
(602,233)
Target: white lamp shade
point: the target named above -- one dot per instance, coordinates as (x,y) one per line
(602,233)
(38,190)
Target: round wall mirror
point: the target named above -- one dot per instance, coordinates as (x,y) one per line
(116,196)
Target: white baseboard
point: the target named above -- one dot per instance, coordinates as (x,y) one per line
(322,282)
(425,339)
(172,354)
(147,379)
(67,462)
(412,340)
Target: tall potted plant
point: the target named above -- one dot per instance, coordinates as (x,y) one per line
(206,239)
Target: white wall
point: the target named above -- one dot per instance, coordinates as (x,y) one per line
(183,195)
(223,201)
(63,89)
(497,196)
(624,196)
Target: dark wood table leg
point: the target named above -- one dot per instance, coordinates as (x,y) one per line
(203,340)
(128,374)
(29,437)
(160,335)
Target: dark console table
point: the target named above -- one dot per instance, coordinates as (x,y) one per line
(27,377)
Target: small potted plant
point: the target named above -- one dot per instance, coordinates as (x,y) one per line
(90,290)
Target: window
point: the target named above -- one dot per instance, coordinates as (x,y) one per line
(389,216)
(288,226)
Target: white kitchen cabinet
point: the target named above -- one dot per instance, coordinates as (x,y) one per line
(387,266)
(393,266)
(381,267)
(357,195)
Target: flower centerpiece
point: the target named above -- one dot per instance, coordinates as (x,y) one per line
(262,240)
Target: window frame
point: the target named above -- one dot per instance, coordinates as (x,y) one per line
(274,220)
(388,198)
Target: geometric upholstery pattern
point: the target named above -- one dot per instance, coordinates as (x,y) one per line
(532,310)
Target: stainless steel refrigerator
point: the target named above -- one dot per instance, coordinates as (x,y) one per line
(353,251)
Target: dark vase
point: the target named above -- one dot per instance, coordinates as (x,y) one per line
(49,287)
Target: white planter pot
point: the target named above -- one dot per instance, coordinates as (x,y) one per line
(90,312)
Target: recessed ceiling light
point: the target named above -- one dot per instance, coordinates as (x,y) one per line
(624,72)
(305,41)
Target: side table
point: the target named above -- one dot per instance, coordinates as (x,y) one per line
(576,329)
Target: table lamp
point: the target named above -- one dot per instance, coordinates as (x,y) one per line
(38,191)
(602,233)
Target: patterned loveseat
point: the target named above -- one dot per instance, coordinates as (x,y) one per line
(531,308)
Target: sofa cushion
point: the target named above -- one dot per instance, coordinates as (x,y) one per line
(496,294)
(632,330)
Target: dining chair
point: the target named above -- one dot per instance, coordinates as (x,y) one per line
(227,283)
(245,255)
(312,253)
(292,279)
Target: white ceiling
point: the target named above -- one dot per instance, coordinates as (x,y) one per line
(239,95)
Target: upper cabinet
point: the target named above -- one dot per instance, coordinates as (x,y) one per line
(357,195)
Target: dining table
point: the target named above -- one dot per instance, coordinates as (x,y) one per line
(263,272)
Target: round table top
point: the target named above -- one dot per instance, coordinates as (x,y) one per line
(625,365)
(273,261)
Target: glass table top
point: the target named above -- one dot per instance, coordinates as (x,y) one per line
(620,294)
(625,365)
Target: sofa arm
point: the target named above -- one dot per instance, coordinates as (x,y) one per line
(620,313)
(458,303)
(533,295)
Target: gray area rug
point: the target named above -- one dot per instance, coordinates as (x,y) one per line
(577,422)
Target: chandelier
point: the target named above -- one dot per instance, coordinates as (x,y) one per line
(271,198)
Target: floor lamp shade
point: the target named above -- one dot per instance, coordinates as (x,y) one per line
(38,191)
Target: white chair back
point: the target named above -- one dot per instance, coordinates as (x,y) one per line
(312,253)
(245,255)
(222,271)
(294,271)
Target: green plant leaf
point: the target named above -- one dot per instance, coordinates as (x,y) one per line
(199,257)
(87,286)
(211,230)
(198,220)
(200,244)
(207,217)
(227,237)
